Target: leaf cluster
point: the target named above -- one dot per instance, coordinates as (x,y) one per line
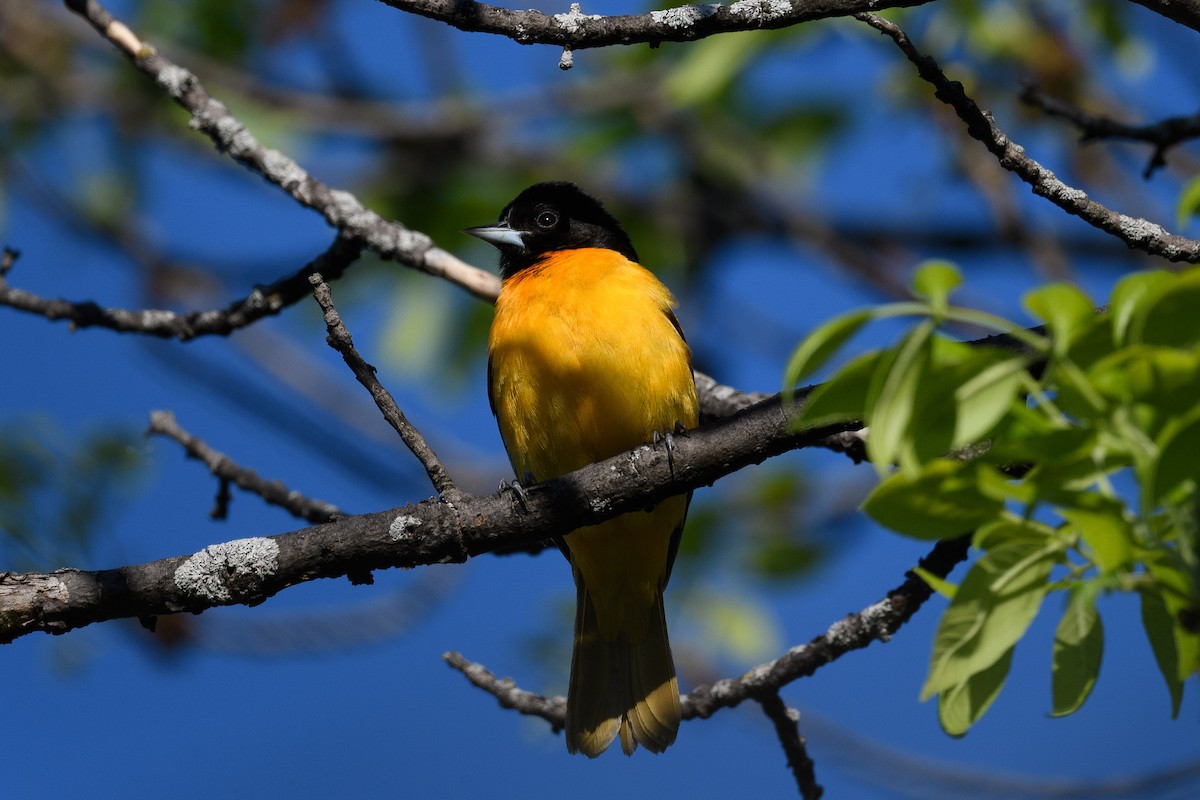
(1023,441)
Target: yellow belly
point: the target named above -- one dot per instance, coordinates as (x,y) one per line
(585,363)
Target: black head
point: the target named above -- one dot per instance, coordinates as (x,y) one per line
(548,217)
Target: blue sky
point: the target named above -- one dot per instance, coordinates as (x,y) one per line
(104,711)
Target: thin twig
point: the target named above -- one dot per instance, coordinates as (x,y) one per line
(339,339)
(787,729)
(877,622)
(8,257)
(1164,134)
(262,302)
(509,695)
(163,423)
(1135,232)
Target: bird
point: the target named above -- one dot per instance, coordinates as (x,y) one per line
(587,360)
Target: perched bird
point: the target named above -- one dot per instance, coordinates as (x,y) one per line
(586,360)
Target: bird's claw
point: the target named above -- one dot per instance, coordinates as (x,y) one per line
(518,491)
(667,439)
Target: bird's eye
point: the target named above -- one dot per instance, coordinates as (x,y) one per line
(547,220)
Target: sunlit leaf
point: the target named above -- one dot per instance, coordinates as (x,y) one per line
(842,397)
(1078,647)
(1160,629)
(940,585)
(893,393)
(1064,309)
(821,344)
(1108,534)
(961,706)
(1170,316)
(1178,457)
(935,281)
(940,501)
(1166,378)
(1131,292)
(993,607)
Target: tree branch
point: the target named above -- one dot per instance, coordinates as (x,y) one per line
(1137,233)
(1164,134)
(787,729)
(339,339)
(579,31)
(263,301)
(248,571)
(163,423)
(341,209)
(877,622)
(1185,12)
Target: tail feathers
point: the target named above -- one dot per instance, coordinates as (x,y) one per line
(621,687)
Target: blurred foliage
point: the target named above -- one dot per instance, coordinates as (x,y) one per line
(1041,437)
(56,492)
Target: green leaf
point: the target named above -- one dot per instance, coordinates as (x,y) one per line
(892,396)
(1028,435)
(1179,599)
(942,500)
(1178,457)
(1169,317)
(1004,531)
(842,397)
(940,585)
(821,344)
(1105,530)
(984,398)
(994,606)
(935,280)
(1064,308)
(1189,202)
(1078,647)
(1160,629)
(1130,294)
(961,706)
(1165,378)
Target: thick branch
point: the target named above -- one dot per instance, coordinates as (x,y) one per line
(578,31)
(1185,12)
(247,571)
(1135,232)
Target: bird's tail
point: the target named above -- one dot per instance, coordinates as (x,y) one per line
(620,686)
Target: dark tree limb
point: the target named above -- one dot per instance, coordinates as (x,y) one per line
(1163,135)
(263,301)
(509,695)
(339,339)
(877,622)
(579,31)
(1137,233)
(1185,12)
(787,730)
(340,208)
(163,423)
(248,571)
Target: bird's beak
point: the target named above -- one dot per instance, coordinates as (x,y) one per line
(498,235)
